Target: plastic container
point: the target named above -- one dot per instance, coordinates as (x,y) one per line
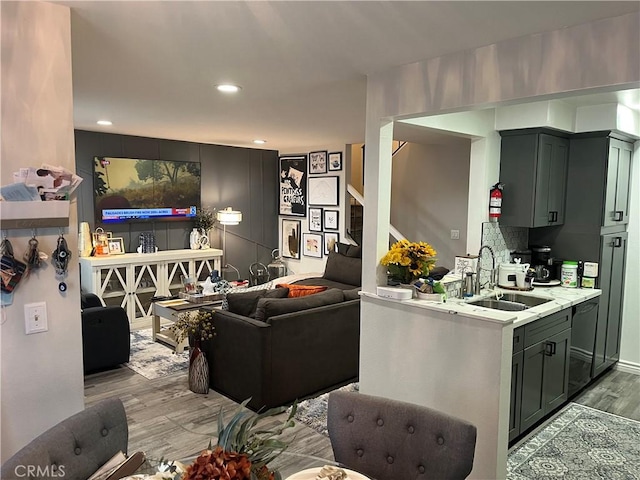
(569,275)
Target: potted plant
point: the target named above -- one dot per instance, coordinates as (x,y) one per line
(407,261)
(205,220)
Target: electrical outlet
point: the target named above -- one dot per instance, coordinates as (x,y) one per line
(455,234)
(35,317)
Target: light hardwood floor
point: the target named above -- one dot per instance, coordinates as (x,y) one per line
(167,420)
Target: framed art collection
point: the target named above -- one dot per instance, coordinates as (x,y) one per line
(318,162)
(335,161)
(293,185)
(312,245)
(323,191)
(315,219)
(290,242)
(330,242)
(331,219)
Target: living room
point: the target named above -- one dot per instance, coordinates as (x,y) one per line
(31,366)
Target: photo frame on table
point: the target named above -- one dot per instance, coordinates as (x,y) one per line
(317,162)
(331,218)
(116,246)
(330,243)
(293,185)
(315,219)
(312,245)
(324,191)
(335,161)
(290,242)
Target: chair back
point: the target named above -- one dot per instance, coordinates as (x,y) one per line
(393,440)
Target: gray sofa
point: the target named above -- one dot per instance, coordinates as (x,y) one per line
(74,448)
(292,348)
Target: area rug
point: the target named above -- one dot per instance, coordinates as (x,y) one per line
(580,443)
(152,359)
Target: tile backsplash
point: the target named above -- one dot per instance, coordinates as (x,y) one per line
(503,240)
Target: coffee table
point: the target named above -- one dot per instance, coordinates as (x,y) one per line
(169,310)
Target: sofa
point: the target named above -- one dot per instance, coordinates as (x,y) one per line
(106,341)
(276,349)
(74,448)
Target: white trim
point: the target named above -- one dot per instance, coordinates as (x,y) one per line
(628,367)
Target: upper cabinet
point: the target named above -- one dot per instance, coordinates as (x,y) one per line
(533,169)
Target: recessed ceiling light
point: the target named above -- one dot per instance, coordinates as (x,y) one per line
(104,122)
(260,142)
(228,88)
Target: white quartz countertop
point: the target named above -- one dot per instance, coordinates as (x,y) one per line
(560,298)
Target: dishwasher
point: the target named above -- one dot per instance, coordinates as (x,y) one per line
(583,340)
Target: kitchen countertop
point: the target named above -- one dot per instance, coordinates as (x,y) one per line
(560,298)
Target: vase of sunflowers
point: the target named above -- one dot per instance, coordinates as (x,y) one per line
(407,261)
(197,325)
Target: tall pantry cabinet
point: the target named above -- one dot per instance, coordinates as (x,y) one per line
(594,230)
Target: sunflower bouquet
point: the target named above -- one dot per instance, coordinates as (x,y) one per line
(407,261)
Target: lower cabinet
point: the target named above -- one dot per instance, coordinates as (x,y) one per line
(540,372)
(516,383)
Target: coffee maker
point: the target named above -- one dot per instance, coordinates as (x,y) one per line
(542,263)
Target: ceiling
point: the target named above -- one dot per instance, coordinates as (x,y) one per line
(151,66)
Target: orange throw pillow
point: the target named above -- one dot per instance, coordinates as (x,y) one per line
(301,290)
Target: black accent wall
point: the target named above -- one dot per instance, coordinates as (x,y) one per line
(243,178)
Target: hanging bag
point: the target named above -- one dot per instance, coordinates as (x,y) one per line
(11,270)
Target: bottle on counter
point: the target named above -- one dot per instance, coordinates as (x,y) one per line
(569,274)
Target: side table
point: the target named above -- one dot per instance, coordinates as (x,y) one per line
(169,310)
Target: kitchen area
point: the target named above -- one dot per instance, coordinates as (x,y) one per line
(512,354)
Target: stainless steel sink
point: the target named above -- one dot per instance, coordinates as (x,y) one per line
(511,302)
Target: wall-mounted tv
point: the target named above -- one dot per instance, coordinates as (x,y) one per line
(129,189)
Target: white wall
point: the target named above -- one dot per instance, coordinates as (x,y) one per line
(429,191)
(42,378)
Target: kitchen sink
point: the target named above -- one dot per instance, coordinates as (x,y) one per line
(511,302)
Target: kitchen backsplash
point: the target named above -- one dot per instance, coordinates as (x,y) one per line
(502,240)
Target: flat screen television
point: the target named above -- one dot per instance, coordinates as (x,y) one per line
(130,189)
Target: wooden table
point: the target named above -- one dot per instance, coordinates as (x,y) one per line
(169,311)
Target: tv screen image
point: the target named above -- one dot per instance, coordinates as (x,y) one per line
(129,189)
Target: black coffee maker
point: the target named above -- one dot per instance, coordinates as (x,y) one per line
(542,263)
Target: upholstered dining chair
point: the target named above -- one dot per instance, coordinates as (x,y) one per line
(393,440)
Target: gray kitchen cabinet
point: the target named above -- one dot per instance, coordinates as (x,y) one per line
(544,371)
(608,327)
(516,383)
(533,170)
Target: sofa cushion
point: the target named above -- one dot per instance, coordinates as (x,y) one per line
(343,269)
(301,290)
(318,281)
(271,307)
(245,303)
(352,294)
(350,250)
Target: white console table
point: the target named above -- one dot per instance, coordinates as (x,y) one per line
(131,280)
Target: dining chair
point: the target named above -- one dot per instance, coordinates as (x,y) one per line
(394,440)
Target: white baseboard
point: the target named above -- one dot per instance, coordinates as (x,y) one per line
(628,367)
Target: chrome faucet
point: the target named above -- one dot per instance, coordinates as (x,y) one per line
(478,268)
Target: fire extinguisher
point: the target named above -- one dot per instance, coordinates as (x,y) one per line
(495,202)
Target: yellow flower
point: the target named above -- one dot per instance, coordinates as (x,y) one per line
(409,260)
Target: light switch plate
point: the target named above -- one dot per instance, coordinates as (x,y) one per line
(35,317)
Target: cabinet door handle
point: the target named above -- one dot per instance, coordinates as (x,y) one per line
(551,217)
(555,216)
(548,349)
(617,242)
(618,215)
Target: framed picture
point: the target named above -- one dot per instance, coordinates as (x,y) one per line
(290,244)
(317,162)
(323,191)
(331,219)
(315,219)
(330,243)
(116,246)
(293,185)
(312,245)
(335,161)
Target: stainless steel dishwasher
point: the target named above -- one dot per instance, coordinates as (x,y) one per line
(583,339)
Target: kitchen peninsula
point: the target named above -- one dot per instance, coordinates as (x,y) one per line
(457,357)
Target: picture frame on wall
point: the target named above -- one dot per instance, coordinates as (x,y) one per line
(324,191)
(290,242)
(335,161)
(330,242)
(293,185)
(317,162)
(312,245)
(331,218)
(315,219)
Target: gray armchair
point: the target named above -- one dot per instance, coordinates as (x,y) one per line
(392,440)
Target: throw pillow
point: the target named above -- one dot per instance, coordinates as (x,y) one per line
(271,307)
(352,294)
(350,250)
(245,303)
(301,290)
(343,269)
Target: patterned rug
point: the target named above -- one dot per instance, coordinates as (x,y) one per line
(580,443)
(313,412)
(152,359)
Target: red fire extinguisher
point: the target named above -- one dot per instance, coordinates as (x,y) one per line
(495,202)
